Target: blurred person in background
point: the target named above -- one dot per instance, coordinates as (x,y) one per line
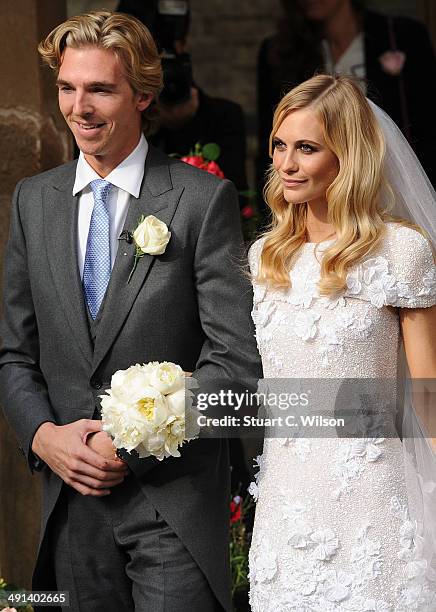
(392,56)
(188,115)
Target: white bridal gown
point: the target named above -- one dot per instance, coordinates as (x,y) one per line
(332,529)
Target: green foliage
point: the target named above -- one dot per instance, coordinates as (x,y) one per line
(240,540)
(211,151)
(5,591)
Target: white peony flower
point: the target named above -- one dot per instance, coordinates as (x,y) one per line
(128,385)
(179,401)
(167,377)
(153,407)
(151,236)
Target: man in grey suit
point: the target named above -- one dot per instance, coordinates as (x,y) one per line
(141,534)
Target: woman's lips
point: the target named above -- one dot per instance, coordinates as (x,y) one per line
(293,183)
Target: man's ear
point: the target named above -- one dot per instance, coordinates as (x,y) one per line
(144,102)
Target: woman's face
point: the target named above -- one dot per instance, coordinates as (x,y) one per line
(304,163)
(320,10)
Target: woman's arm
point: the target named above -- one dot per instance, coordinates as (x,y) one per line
(418,326)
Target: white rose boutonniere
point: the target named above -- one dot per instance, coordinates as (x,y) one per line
(150,238)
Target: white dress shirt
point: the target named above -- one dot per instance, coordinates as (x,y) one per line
(126,181)
(351,62)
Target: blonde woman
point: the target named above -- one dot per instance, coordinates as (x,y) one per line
(339,283)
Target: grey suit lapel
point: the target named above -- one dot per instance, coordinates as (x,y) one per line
(159,198)
(60,228)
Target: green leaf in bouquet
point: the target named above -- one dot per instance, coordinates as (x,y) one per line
(211,151)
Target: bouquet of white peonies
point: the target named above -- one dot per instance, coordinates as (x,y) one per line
(148,409)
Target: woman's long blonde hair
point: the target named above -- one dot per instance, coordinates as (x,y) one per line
(123,34)
(352,133)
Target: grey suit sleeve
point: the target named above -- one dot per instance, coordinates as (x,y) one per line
(23,392)
(224,294)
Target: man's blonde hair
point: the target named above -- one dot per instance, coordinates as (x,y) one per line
(123,34)
(355,209)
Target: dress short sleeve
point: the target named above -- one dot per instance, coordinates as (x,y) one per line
(400,273)
(413,266)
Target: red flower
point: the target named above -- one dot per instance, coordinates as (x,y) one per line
(213,168)
(194,160)
(235,512)
(247,212)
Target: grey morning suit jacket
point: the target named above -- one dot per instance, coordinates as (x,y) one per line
(190,305)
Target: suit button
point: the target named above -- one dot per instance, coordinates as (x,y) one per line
(96,384)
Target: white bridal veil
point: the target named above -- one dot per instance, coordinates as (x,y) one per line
(415,200)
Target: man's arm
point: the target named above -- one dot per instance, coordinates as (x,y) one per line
(224,294)
(23,391)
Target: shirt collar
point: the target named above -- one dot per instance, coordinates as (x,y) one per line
(127,175)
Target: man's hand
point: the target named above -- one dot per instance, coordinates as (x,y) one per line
(64,450)
(102,444)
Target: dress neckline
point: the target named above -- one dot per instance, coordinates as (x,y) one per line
(318,243)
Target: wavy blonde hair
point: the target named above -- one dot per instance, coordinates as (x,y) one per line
(352,133)
(123,34)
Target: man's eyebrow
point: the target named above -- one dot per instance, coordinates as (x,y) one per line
(92,85)
(104,84)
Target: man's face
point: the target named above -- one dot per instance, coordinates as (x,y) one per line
(320,10)
(100,106)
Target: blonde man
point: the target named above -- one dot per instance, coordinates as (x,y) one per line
(142,535)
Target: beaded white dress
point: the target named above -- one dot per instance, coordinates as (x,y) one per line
(332,530)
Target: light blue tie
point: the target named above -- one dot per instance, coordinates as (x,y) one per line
(97,268)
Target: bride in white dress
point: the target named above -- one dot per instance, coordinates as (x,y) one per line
(338,286)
